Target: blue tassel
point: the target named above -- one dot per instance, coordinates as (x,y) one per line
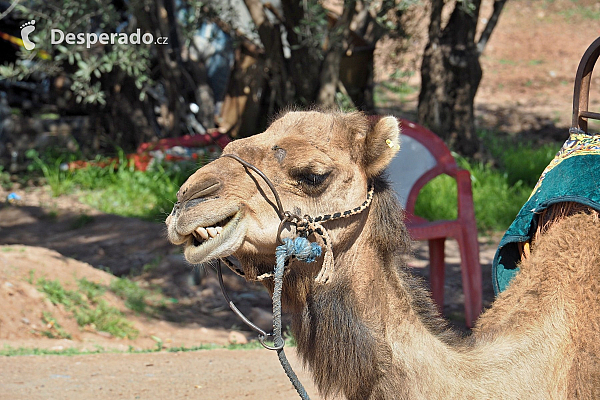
(300,248)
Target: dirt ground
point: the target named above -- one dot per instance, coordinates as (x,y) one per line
(529,66)
(206,375)
(50,246)
(526,91)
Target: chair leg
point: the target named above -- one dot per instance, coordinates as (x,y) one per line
(471,275)
(437,271)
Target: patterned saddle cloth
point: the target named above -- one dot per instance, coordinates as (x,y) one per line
(572,176)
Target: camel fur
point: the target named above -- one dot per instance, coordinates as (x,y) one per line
(373,332)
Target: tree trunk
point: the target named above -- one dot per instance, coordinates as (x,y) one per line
(281,93)
(338,43)
(330,75)
(450,75)
(304,63)
(156,19)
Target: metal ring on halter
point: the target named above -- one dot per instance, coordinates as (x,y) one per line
(262,338)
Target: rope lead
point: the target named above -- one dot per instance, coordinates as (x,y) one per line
(305,251)
(300,248)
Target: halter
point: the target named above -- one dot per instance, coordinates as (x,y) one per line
(299,248)
(305,226)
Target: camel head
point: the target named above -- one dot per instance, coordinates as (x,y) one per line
(319,163)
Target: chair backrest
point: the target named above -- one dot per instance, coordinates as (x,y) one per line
(581,94)
(422,157)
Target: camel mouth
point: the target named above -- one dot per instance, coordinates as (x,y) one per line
(220,239)
(204,233)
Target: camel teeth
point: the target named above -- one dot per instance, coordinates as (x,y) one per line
(219,229)
(202,232)
(211,231)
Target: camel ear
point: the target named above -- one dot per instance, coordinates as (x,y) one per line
(381,145)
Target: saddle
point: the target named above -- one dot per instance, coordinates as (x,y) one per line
(570,183)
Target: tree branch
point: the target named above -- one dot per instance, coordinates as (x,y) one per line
(293,13)
(271,8)
(435,24)
(330,72)
(257,13)
(270,36)
(9,9)
(228,29)
(266,31)
(489,27)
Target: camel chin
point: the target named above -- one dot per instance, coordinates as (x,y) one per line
(204,244)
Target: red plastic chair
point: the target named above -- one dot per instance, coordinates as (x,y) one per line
(422,157)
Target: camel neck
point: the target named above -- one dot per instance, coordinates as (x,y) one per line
(359,332)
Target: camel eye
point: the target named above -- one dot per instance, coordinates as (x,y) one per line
(312,179)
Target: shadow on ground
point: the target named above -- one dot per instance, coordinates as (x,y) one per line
(139,249)
(128,246)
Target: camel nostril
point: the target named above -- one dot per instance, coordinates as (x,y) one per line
(199,190)
(193,202)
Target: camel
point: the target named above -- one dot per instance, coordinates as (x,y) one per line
(371,330)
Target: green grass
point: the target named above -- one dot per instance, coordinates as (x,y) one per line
(535,62)
(31,278)
(583,12)
(9,351)
(496,202)
(498,192)
(56,177)
(88,308)
(91,290)
(54,330)
(152,265)
(126,191)
(51,215)
(57,294)
(134,296)
(49,116)
(105,318)
(116,189)
(524,163)
(5,181)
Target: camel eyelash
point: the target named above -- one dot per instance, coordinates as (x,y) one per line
(310,179)
(314,179)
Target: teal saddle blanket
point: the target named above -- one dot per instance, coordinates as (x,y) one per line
(573,175)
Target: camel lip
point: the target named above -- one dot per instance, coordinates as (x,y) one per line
(198,250)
